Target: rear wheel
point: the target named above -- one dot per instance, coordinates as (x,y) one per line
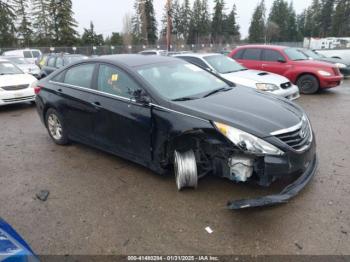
(308,84)
(185,167)
(55,126)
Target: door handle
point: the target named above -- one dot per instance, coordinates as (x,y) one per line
(60,90)
(264,65)
(97,104)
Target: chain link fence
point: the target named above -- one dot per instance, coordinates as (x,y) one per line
(132,49)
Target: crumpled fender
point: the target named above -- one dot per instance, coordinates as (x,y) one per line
(288,193)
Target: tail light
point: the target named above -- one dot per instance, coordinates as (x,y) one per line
(37,89)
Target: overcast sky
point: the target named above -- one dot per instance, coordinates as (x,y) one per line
(107,15)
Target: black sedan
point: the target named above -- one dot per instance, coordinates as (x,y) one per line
(172,116)
(344,67)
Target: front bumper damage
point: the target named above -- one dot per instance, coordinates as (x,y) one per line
(288,193)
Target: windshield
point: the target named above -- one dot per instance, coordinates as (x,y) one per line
(72,59)
(178,80)
(7,68)
(17,60)
(295,55)
(223,64)
(310,53)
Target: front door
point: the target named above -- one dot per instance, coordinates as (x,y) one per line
(121,125)
(273,61)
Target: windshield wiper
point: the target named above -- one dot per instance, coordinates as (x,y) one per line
(189,98)
(224,89)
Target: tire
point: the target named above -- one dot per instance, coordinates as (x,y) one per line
(308,84)
(56,128)
(185,168)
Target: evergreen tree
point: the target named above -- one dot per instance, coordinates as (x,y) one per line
(41,22)
(185,20)
(231,30)
(301,22)
(195,22)
(327,10)
(7,25)
(151,23)
(217,26)
(292,24)
(315,18)
(64,24)
(90,37)
(257,25)
(278,21)
(144,23)
(24,31)
(341,19)
(205,21)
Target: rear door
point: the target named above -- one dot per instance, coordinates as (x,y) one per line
(121,125)
(273,61)
(73,88)
(251,58)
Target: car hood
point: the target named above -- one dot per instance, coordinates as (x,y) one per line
(20,79)
(28,67)
(313,63)
(244,108)
(252,77)
(333,60)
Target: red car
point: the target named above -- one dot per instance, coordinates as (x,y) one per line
(308,75)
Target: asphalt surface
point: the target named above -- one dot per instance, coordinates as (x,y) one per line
(101,204)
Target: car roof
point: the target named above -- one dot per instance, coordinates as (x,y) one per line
(198,55)
(132,60)
(276,47)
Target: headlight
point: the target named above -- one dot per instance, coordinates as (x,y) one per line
(247,142)
(340,65)
(266,87)
(324,73)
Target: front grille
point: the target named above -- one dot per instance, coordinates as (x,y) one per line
(18,99)
(286,85)
(299,138)
(13,88)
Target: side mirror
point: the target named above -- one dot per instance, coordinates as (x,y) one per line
(281,60)
(141,97)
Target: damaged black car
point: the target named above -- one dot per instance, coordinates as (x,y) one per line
(172,116)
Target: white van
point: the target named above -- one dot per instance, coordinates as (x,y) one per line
(30,54)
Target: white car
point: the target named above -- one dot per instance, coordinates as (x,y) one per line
(15,86)
(25,65)
(154,52)
(231,70)
(30,54)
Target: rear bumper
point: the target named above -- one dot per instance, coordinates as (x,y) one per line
(288,193)
(330,82)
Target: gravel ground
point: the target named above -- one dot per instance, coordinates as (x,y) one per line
(101,204)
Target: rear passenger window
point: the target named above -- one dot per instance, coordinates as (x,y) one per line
(272,56)
(36,54)
(80,75)
(252,54)
(113,81)
(27,54)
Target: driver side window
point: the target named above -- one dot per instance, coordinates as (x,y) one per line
(113,81)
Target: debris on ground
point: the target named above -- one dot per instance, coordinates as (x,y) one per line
(43,195)
(209,230)
(300,247)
